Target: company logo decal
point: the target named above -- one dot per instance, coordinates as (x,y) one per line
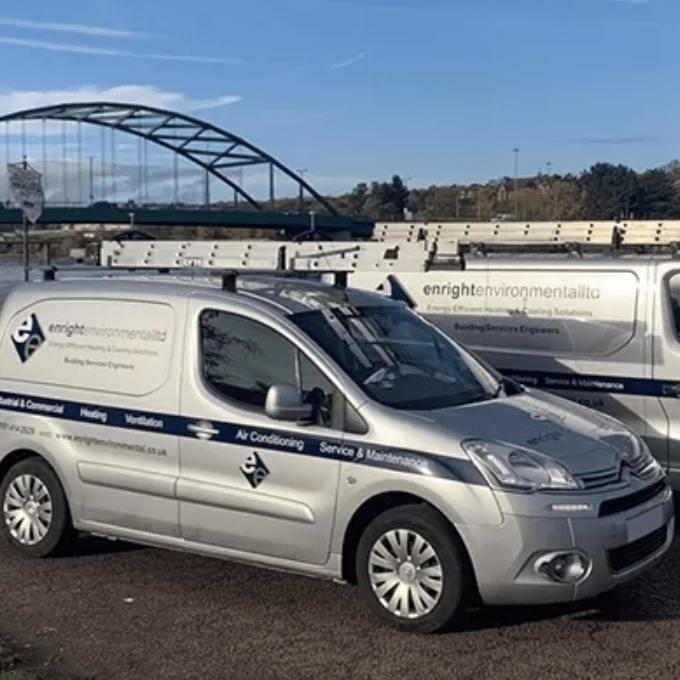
(254,469)
(27,338)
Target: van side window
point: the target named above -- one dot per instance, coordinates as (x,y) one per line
(242,358)
(674,297)
(319,391)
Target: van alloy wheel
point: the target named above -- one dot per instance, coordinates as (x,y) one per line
(27,509)
(406,573)
(35,513)
(410,565)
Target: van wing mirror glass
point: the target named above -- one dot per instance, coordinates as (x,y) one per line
(284,402)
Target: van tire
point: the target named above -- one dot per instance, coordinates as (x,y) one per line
(34,511)
(410,567)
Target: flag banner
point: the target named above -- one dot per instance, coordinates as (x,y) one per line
(26,190)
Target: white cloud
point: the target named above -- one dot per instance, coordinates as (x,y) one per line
(69,28)
(144,95)
(214,103)
(348,62)
(101,51)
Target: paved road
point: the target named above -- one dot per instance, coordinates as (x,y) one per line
(120,612)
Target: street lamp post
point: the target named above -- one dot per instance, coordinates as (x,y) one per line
(91,180)
(405,211)
(300,199)
(516,152)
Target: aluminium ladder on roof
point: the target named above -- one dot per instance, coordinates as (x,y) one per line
(263,255)
(595,233)
(397,247)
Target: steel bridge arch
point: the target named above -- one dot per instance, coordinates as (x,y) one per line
(184,135)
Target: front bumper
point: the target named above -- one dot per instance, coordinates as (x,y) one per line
(619,541)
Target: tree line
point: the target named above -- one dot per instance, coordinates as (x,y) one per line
(604,192)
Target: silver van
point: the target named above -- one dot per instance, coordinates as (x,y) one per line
(314,428)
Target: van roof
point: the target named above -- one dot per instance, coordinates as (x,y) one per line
(282,295)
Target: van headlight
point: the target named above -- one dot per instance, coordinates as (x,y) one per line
(633,450)
(516,468)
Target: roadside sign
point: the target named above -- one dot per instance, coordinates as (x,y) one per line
(26,190)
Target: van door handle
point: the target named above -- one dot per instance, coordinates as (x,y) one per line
(671,390)
(203,429)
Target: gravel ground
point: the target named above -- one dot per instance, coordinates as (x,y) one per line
(20,661)
(113,611)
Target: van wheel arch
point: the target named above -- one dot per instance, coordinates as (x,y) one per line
(376,506)
(17,456)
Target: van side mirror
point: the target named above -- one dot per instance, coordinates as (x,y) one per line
(284,402)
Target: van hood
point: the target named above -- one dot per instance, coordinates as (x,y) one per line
(571,435)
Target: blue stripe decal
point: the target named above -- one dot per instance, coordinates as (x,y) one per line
(332,448)
(591,383)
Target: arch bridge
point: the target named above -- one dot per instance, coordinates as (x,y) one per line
(219,154)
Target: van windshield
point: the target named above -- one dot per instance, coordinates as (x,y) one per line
(396,358)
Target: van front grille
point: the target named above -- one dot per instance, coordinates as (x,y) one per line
(632,500)
(594,480)
(629,555)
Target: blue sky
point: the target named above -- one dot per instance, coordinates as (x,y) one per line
(438,92)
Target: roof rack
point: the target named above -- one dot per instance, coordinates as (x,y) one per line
(228,276)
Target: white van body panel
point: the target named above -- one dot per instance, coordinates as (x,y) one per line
(294,519)
(108,454)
